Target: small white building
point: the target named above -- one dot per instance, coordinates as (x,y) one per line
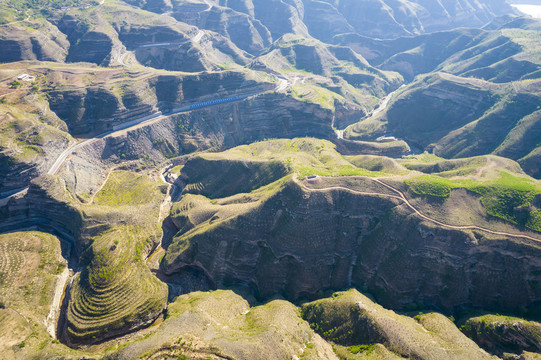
(26,77)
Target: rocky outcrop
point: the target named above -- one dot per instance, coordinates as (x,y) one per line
(184,58)
(86,44)
(220,127)
(245,31)
(84,109)
(93,46)
(136,35)
(281,17)
(98,108)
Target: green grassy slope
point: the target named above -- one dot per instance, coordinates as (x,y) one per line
(500,334)
(221,324)
(351,319)
(502,188)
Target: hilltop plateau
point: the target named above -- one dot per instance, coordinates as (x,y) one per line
(278,179)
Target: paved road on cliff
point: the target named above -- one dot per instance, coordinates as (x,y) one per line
(122,58)
(403,198)
(132,124)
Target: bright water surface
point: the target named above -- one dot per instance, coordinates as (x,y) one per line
(532,10)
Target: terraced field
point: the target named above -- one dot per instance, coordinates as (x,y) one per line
(30,264)
(116,293)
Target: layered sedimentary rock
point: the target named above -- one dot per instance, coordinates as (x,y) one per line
(39,41)
(296,242)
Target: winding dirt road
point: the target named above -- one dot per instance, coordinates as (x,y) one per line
(52,318)
(403,198)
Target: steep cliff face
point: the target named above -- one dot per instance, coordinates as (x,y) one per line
(281,17)
(501,334)
(116,97)
(39,41)
(93,46)
(245,31)
(87,43)
(214,128)
(177,58)
(114,293)
(500,55)
(45,207)
(531,163)
(134,35)
(428,109)
(240,176)
(82,108)
(297,242)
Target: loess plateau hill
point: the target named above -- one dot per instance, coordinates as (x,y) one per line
(269,179)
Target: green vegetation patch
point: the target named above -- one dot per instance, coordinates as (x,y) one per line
(127,188)
(304,156)
(116,291)
(507,197)
(355,349)
(342,170)
(534,222)
(430,185)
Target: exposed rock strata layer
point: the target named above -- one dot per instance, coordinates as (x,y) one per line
(298,242)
